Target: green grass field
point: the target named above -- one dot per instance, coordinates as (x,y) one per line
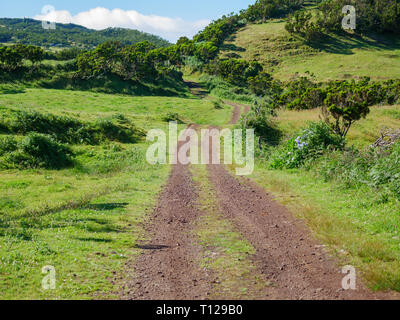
(363,133)
(89,215)
(145,111)
(335,58)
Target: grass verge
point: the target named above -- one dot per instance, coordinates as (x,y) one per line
(355,224)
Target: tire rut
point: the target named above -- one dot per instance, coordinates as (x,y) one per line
(168,269)
(286,253)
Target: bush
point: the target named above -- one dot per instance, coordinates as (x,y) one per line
(310,144)
(260,119)
(386,171)
(372,15)
(267,9)
(224,90)
(372,168)
(125,132)
(194,63)
(301,24)
(70,130)
(7,144)
(218,104)
(65,129)
(303,93)
(37,151)
(172,117)
(235,71)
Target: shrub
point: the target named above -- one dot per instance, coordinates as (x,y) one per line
(65,129)
(194,63)
(106,129)
(224,90)
(386,171)
(73,131)
(172,117)
(310,144)
(353,168)
(303,93)
(38,151)
(218,104)
(266,9)
(235,71)
(301,24)
(372,15)
(260,119)
(7,144)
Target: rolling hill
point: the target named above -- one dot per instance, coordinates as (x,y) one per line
(337,57)
(29,31)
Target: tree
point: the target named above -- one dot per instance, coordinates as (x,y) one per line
(107,56)
(11,57)
(342,109)
(206,51)
(136,61)
(301,24)
(34,54)
(235,71)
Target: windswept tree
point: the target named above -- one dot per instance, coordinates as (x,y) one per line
(11,58)
(34,54)
(342,109)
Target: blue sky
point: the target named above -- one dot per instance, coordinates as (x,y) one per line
(169,19)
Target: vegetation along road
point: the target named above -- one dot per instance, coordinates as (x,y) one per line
(216,236)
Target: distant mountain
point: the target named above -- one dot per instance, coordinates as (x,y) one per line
(30,31)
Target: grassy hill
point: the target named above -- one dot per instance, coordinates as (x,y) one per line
(336,58)
(29,31)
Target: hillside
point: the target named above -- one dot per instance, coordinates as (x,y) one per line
(29,31)
(337,57)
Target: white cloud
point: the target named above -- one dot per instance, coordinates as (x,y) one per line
(101,18)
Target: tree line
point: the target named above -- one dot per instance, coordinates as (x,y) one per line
(372,16)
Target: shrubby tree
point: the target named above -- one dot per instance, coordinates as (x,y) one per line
(206,51)
(34,54)
(11,58)
(342,109)
(235,71)
(132,62)
(301,23)
(267,9)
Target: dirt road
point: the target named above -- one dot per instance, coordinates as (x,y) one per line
(286,255)
(167,269)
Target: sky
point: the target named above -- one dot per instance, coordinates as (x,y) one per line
(169,19)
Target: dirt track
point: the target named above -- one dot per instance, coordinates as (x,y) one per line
(237,112)
(167,269)
(286,254)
